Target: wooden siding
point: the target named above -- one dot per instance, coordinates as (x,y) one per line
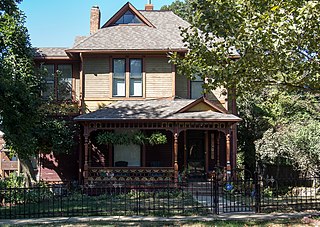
(97,74)
(159,78)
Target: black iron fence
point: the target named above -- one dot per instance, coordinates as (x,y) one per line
(219,194)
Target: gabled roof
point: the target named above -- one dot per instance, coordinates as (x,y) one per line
(163,35)
(202,104)
(121,12)
(160,109)
(49,52)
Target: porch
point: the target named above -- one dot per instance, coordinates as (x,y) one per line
(197,142)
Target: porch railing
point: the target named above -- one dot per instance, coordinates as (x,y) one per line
(98,175)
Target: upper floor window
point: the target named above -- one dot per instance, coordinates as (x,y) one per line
(128,18)
(119,77)
(123,80)
(135,77)
(196,89)
(58,80)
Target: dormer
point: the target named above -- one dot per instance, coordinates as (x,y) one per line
(127,15)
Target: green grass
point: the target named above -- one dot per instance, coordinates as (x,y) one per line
(132,203)
(278,223)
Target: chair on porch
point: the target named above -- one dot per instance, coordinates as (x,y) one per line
(121,164)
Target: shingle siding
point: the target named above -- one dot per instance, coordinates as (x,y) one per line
(159,79)
(97,75)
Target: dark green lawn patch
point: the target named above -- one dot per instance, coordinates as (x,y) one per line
(250,223)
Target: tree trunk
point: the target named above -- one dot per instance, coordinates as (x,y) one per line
(29,173)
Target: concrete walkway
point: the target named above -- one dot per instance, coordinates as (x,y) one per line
(224,217)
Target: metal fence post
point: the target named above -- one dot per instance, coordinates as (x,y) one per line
(257,192)
(216,194)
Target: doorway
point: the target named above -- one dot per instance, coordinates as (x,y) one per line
(195,154)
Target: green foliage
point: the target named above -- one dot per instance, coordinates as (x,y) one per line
(19,86)
(254,124)
(297,143)
(13,181)
(157,138)
(56,135)
(25,121)
(180,8)
(131,138)
(277,42)
(14,191)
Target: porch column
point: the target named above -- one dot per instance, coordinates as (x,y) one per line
(228,154)
(110,154)
(85,167)
(143,155)
(1,164)
(218,149)
(206,152)
(175,155)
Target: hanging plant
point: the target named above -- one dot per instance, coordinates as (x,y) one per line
(131,138)
(157,138)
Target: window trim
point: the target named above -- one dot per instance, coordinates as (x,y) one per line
(127,78)
(55,95)
(141,77)
(197,80)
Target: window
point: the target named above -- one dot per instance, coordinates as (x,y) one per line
(196,89)
(48,91)
(119,77)
(128,18)
(133,77)
(64,78)
(58,79)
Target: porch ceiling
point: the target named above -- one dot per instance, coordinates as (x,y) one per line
(154,110)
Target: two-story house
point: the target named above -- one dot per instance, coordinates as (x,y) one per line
(122,77)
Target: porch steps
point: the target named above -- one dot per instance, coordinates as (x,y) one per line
(201,188)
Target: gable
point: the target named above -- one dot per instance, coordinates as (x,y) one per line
(127,15)
(200,105)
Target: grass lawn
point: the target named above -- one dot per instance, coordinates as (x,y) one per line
(276,223)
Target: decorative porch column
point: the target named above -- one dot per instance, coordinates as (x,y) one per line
(175,155)
(228,154)
(85,167)
(206,150)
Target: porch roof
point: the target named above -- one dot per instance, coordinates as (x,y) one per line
(162,109)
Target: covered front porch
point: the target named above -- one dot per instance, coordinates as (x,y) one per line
(196,143)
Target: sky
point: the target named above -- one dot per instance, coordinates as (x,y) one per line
(55,23)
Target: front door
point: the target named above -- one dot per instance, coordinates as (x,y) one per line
(195,154)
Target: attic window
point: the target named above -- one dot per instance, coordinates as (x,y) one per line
(128,18)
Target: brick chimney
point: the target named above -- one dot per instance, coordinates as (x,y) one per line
(149,6)
(94,19)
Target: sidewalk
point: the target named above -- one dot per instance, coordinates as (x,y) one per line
(222,217)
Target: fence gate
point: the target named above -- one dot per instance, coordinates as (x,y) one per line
(232,193)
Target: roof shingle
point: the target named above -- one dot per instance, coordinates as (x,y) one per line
(165,35)
(153,109)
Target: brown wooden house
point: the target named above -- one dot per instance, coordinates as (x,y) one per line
(121,76)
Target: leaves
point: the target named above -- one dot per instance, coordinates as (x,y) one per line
(298,143)
(277,42)
(131,138)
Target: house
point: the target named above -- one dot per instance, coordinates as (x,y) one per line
(8,164)
(125,84)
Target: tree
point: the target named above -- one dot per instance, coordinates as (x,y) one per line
(277,43)
(28,128)
(254,124)
(18,84)
(180,8)
(297,144)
